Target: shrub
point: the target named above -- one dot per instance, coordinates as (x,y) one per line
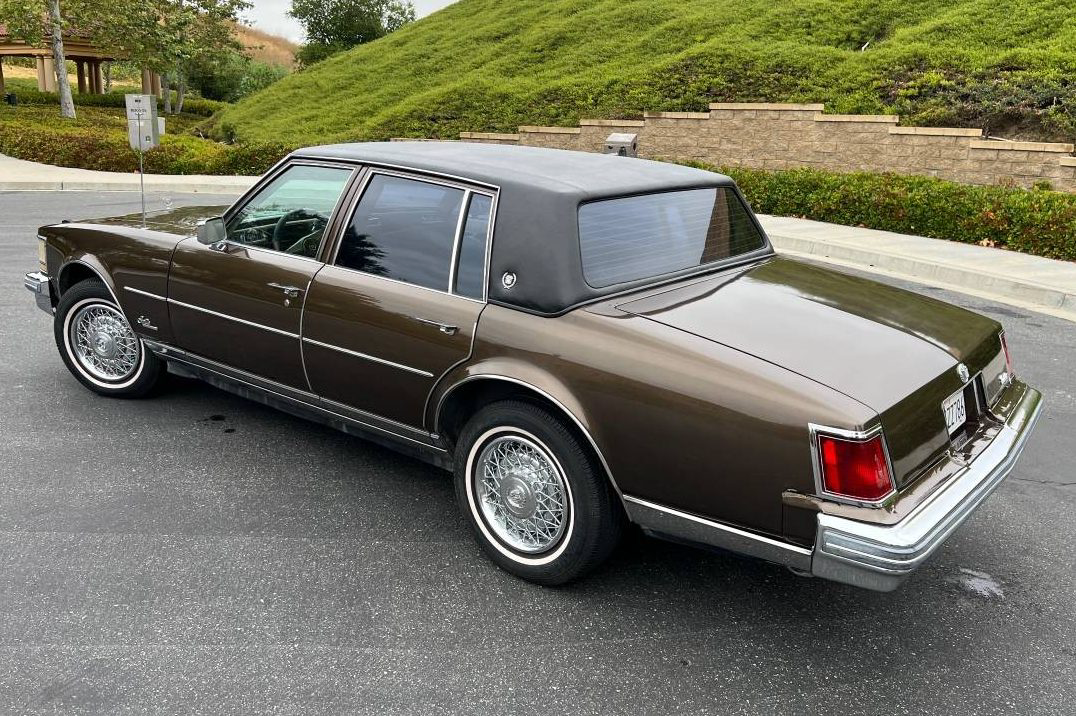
(1035,221)
(107,150)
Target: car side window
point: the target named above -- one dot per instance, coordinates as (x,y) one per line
(471,266)
(403,229)
(291,213)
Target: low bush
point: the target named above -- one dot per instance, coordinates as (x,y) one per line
(107,149)
(1034,221)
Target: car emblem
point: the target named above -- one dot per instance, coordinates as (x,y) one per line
(508,280)
(962,371)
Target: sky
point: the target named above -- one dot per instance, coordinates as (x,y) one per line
(271,16)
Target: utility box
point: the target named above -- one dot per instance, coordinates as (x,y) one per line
(143,129)
(622,144)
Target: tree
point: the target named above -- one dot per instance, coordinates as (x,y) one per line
(335,25)
(34,21)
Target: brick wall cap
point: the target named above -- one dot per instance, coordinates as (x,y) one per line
(1023,146)
(879,118)
(938,131)
(768,106)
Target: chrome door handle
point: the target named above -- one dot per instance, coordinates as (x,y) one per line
(445,328)
(289,291)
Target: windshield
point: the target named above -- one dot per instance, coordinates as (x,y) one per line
(647,236)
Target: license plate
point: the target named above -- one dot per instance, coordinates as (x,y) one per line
(956,412)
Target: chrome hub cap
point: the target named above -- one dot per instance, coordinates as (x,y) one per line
(521,493)
(103,343)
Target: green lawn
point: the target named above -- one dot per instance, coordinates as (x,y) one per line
(1006,65)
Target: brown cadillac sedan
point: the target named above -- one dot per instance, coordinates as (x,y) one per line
(586,340)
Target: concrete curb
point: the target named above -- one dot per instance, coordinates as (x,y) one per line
(1056,297)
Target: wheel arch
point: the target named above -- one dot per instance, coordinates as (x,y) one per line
(80,269)
(468,395)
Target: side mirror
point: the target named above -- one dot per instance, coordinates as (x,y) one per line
(211,231)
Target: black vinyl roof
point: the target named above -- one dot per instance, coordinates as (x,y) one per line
(536,230)
(584,174)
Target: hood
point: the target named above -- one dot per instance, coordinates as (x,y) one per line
(872,342)
(182,221)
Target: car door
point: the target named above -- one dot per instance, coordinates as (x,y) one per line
(239,301)
(398,304)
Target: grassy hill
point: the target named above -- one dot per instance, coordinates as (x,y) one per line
(1005,65)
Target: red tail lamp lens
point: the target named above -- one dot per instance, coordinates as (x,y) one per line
(854,469)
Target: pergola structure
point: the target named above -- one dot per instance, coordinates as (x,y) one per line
(87,57)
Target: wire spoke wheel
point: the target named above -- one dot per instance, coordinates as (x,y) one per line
(521,493)
(102,342)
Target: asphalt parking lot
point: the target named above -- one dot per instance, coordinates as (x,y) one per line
(199,553)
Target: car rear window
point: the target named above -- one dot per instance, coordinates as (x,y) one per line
(647,236)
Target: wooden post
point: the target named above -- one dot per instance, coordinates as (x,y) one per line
(41,86)
(147,83)
(50,75)
(1,76)
(80,70)
(98,78)
(156,85)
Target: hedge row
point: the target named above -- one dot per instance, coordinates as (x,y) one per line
(1034,221)
(90,148)
(191,105)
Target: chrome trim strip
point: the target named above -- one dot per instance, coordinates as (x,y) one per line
(544,394)
(852,436)
(667,521)
(306,399)
(881,557)
(400,167)
(365,356)
(97,273)
(233,318)
(464,208)
(140,292)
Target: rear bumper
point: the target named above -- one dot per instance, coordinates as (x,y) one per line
(38,284)
(881,557)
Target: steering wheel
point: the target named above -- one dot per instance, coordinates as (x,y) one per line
(281,223)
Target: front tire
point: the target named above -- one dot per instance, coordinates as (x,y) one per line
(98,346)
(538,503)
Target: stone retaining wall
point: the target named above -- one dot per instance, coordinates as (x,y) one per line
(783,136)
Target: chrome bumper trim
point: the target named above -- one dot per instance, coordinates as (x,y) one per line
(663,521)
(881,557)
(38,284)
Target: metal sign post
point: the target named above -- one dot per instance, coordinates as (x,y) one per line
(143,134)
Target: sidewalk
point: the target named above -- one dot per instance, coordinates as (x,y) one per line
(19,175)
(1032,282)
(1029,282)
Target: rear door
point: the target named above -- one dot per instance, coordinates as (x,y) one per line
(239,302)
(398,303)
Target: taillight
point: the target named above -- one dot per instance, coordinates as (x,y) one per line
(1008,358)
(855,469)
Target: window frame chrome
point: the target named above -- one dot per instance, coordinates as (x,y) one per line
(855,436)
(469,188)
(268,178)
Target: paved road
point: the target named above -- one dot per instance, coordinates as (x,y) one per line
(201,553)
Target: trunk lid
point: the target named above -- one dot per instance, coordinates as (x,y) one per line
(892,350)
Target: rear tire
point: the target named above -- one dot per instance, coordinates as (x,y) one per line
(98,346)
(539,505)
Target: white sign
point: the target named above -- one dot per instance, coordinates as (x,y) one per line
(143,129)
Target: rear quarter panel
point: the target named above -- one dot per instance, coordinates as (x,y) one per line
(680,420)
